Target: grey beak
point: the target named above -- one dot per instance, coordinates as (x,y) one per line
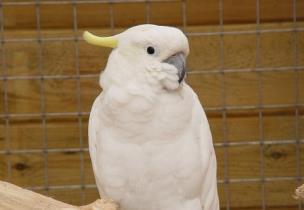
(178,60)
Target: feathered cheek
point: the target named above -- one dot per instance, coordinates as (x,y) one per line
(163,74)
(154,72)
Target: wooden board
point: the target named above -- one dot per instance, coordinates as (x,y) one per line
(244,161)
(241,89)
(63,132)
(13,197)
(197,12)
(239,50)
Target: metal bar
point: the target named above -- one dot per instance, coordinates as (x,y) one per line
(43,39)
(252,143)
(50,77)
(207,109)
(276,30)
(297,93)
(220,181)
(5,96)
(252,107)
(189,34)
(78,95)
(64,187)
(240,70)
(46,114)
(217,144)
(147,11)
(42,94)
(111,13)
(47,150)
(261,119)
(184,16)
(223,96)
(28,3)
(207,71)
(266,179)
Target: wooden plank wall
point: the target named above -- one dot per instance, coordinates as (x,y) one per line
(169,12)
(241,89)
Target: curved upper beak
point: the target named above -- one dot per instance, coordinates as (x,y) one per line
(179,61)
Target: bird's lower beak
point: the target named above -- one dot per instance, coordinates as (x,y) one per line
(178,60)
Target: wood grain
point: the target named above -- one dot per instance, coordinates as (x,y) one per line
(241,89)
(198,12)
(63,132)
(13,197)
(244,161)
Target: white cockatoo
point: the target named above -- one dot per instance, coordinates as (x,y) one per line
(149,138)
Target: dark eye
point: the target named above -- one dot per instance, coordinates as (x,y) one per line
(150,50)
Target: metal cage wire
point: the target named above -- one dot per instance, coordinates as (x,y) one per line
(222,71)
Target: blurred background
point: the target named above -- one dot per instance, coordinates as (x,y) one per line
(246,64)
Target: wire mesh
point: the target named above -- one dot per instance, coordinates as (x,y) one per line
(43,115)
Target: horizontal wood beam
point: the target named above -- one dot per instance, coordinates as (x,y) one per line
(198,12)
(13,197)
(241,89)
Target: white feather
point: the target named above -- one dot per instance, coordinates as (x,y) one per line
(150,145)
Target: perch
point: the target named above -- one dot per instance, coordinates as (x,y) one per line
(14,197)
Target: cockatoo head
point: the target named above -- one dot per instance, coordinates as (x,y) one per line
(146,54)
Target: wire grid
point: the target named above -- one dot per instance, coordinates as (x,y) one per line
(222,71)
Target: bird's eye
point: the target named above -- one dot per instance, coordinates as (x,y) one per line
(150,50)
